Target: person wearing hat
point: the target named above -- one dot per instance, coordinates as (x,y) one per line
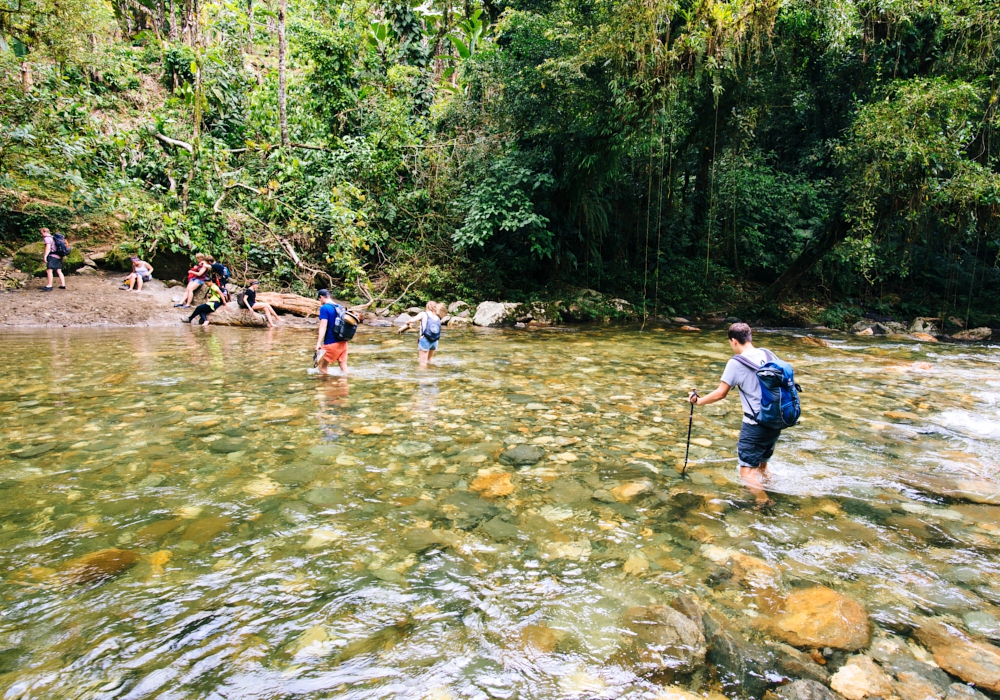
(334,351)
(141,272)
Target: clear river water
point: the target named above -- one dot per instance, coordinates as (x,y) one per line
(190,513)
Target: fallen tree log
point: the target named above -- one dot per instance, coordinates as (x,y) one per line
(290,303)
(231,315)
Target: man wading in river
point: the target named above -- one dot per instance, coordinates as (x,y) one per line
(756,443)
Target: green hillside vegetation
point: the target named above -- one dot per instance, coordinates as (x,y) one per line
(769,157)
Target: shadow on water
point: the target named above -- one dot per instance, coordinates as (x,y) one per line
(194,515)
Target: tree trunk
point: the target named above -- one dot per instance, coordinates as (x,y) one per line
(230,315)
(813,252)
(290,303)
(282,75)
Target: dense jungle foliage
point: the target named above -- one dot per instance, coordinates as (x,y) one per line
(688,155)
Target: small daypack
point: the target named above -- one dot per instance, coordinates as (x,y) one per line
(61,248)
(221,271)
(346,324)
(779,394)
(432,329)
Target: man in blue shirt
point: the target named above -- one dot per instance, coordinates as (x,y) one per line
(333,350)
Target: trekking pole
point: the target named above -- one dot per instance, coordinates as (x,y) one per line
(687,449)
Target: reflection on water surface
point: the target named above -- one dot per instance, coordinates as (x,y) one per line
(192,515)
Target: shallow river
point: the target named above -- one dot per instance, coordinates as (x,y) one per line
(266,533)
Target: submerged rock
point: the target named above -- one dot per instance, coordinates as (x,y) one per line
(820,617)
(795,664)
(743,668)
(420,539)
(663,638)
(206,529)
(973,662)
(97,566)
(471,509)
(296,474)
(500,530)
(861,678)
(493,485)
(324,497)
(806,690)
(411,448)
(522,455)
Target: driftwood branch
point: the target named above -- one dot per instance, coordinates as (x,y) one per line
(174,142)
(387,306)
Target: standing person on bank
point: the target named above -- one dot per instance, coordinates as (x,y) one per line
(334,350)
(756,443)
(53,258)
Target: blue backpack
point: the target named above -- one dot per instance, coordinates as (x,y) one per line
(432,329)
(779,394)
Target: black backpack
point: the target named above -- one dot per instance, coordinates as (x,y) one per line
(432,329)
(346,325)
(61,249)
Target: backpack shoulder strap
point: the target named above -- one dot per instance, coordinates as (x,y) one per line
(745,362)
(771,357)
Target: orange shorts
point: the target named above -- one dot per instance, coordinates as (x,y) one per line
(335,352)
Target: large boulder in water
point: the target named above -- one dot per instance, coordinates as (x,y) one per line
(495,313)
(663,638)
(29,259)
(972,661)
(820,617)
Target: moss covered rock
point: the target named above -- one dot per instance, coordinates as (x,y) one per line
(29,259)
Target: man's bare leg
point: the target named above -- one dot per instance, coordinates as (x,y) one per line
(752,478)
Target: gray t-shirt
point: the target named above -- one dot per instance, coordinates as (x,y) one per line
(739,375)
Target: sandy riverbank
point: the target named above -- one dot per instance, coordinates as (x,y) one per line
(96,301)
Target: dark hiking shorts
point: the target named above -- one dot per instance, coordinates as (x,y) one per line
(756,444)
(53,262)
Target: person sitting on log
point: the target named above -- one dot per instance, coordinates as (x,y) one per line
(213,300)
(248,300)
(197,276)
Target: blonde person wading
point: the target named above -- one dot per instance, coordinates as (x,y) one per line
(756,442)
(429,323)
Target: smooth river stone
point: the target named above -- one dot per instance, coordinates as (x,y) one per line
(409,448)
(499,529)
(441,481)
(157,530)
(663,638)
(97,566)
(972,661)
(201,531)
(227,445)
(820,617)
(522,455)
(33,451)
(805,690)
(296,474)
(861,678)
(493,485)
(324,497)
